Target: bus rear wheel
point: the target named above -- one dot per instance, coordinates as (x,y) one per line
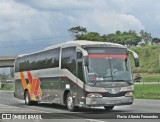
(108,108)
(70,103)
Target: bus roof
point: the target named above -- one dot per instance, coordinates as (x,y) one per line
(76,43)
(82,43)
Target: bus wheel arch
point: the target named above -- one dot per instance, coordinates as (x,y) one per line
(65,95)
(25,91)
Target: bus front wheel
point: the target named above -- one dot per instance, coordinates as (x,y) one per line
(28,100)
(108,107)
(70,103)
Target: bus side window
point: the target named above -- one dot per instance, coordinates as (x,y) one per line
(80,73)
(69,59)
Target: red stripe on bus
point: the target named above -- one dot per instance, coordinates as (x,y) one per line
(106,56)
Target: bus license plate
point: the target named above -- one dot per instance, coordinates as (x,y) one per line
(113,101)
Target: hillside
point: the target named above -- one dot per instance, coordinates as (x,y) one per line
(149,59)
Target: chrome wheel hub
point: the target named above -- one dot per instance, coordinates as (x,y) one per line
(70,102)
(27,98)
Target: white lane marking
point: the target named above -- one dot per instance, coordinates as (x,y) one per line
(5,107)
(11,110)
(5,91)
(94,120)
(2,105)
(21,108)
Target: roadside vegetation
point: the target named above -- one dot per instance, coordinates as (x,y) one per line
(149,56)
(6,82)
(147,91)
(8,87)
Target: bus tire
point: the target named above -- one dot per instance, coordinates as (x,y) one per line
(108,108)
(27,98)
(34,102)
(70,103)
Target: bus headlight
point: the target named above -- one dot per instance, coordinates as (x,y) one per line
(129,94)
(93,95)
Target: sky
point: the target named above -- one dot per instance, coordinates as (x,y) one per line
(31,25)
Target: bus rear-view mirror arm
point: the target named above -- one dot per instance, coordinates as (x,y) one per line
(85,56)
(136,58)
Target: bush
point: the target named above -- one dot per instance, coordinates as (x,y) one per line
(8,86)
(148,58)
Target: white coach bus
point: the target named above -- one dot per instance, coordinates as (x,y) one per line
(76,74)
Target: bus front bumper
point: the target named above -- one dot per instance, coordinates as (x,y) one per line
(109,101)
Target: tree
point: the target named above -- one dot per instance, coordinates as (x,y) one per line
(118,32)
(155,40)
(4,77)
(125,38)
(77,31)
(146,37)
(12,71)
(92,36)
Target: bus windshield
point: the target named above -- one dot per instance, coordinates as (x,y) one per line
(109,64)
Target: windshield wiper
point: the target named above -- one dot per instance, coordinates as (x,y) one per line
(109,76)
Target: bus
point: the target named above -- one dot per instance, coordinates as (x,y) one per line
(76,74)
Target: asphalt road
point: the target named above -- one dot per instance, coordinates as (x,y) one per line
(54,112)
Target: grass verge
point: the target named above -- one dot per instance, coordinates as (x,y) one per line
(147,91)
(8,87)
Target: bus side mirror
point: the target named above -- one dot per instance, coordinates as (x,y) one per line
(136,59)
(86,62)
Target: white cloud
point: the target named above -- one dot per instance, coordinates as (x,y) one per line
(109,22)
(35,19)
(58,4)
(19,22)
(102,16)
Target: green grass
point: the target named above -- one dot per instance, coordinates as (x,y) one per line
(149,59)
(149,77)
(8,87)
(147,91)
